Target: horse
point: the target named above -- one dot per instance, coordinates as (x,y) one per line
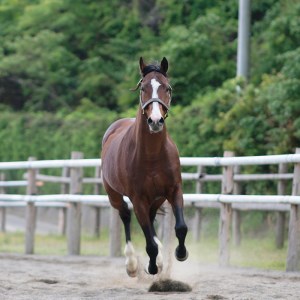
(140,161)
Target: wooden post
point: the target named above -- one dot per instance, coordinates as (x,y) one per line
(30,211)
(98,186)
(293,256)
(2,209)
(95,215)
(225,214)
(97,210)
(3,219)
(115,233)
(62,220)
(236,215)
(74,209)
(198,210)
(62,211)
(280,216)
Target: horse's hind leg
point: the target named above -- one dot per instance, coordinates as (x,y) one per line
(118,203)
(131,259)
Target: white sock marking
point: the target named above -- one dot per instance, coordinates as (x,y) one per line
(131,260)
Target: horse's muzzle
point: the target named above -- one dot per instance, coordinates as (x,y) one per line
(156,126)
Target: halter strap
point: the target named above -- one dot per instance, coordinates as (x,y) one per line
(144,105)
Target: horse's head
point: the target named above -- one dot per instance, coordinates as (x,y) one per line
(155,94)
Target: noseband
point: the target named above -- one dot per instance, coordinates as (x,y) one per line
(144,105)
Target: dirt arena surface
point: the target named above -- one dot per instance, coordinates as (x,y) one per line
(81,277)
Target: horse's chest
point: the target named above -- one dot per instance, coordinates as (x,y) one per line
(156,185)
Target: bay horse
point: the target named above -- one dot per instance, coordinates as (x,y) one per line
(140,161)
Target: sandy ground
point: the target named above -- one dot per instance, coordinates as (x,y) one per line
(65,277)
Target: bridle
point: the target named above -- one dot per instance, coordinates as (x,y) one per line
(144,105)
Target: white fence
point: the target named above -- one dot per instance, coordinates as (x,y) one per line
(229,201)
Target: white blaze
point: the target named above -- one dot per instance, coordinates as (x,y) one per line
(155,114)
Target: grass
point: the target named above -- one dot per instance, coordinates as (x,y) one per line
(53,244)
(254,252)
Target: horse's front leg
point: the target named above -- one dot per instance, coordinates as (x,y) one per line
(151,249)
(152,243)
(181,229)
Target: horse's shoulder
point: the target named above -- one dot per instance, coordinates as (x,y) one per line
(117,127)
(171,145)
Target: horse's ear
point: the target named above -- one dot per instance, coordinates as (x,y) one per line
(164,65)
(142,65)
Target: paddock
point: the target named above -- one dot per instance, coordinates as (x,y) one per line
(32,276)
(229,202)
(81,277)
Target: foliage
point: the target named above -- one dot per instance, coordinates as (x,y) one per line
(52,136)
(197,127)
(66,68)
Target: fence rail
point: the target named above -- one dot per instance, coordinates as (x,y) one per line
(184,161)
(230,202)
(188,198)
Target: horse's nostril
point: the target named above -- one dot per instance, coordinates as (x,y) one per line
(150,121)
(161,121)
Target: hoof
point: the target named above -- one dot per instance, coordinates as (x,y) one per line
(151,270)
(131,273)
(181,256)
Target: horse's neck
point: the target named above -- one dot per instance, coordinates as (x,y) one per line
(148,145)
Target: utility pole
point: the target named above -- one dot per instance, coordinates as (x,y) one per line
(243,51)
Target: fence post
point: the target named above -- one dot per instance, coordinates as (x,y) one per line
(225,214)
(198,210)
(236,214)
(96,210)
(98,186)
(31,210)
(280,218)
(2,209)
(293,256)
(74,209)
(114,233)
(95,216)
(62,211)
